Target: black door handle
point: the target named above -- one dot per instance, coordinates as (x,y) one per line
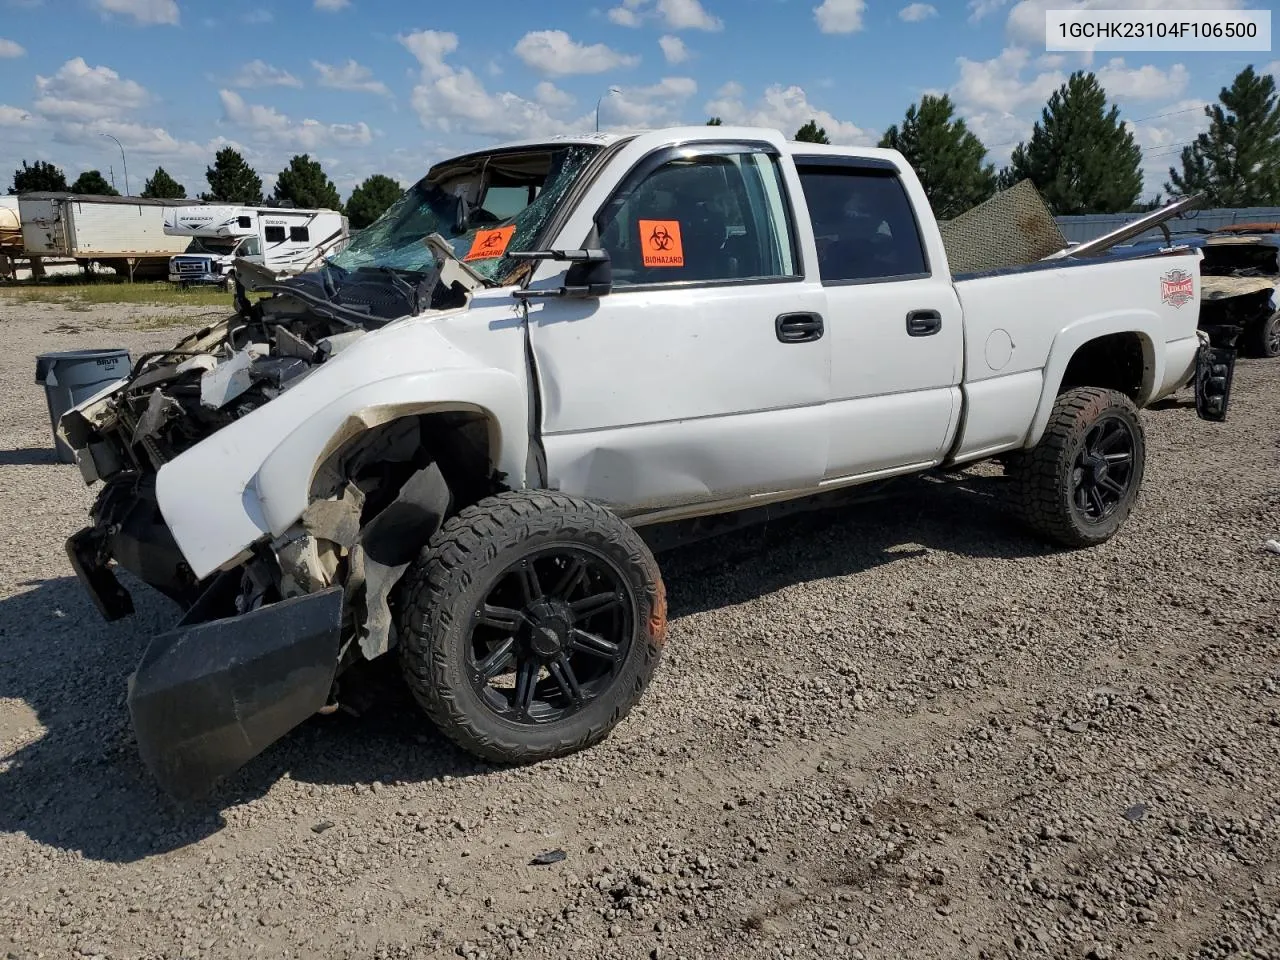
(923,323)
(798,327)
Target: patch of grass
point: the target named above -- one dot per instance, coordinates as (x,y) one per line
(165,321)
(101,291)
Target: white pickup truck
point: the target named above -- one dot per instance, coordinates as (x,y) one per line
(443,441)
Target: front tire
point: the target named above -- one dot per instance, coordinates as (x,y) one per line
(530,625)
(1078,485)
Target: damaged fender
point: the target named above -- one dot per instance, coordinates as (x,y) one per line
(244,482)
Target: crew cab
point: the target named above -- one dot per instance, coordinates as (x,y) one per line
(447,440)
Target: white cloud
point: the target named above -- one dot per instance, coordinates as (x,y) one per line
(81,92)
(551,96)
(786,109)
(1026,23)
(554,52)
(332,5)
(840,16)
(997,84)
(674,14)
(655,105)
(142,11)
(687,15)
(1162,138)
(259,16)
(9,49)
(731,90)
(915,12)
(624,17)
(979,9)
(270,125)
(12,116)
(673,49)
(1141,83)
(1273,68)
(453,99)
(349,76)
(257,73)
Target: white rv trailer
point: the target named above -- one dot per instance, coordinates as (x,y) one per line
(124,233)
(283,239)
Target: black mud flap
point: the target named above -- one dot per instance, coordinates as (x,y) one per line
(88,559)
(208,697)
(1215,368)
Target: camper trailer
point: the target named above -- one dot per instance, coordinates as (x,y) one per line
(282,239)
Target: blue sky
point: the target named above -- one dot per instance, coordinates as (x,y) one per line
(392,86)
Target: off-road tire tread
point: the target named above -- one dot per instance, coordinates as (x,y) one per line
(460,551)
(1038,474)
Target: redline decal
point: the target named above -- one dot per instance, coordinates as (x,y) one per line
(490,244)
(1177,288)
(660,242)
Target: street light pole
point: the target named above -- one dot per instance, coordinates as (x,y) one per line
(612,91)
(124,161)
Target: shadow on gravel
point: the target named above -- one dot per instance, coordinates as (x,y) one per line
(82,787)
(27,456)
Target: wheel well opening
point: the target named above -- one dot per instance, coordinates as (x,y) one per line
(380,460)
(1117,361)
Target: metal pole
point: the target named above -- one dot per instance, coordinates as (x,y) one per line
(123,161)
(611,91)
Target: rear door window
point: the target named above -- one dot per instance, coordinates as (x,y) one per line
(863,223)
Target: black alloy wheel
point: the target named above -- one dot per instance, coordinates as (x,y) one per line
(551,634)
(1104,469)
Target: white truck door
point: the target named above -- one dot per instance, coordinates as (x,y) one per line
(703,375)
(893,317)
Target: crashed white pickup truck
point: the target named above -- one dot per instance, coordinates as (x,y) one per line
(443,441)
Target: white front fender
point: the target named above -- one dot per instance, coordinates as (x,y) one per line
(253,477)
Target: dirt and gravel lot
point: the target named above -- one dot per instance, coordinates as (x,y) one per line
(904,729)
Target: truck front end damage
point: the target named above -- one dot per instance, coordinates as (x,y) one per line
(202,444)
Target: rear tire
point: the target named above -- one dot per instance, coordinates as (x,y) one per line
(1078,485)
(1266,337)
(530,625)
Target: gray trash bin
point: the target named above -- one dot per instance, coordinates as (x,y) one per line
(74,376)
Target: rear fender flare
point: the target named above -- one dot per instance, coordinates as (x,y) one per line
(1145,323)
(283,482)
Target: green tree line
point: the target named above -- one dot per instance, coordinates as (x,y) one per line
(1081,157)
(303,183)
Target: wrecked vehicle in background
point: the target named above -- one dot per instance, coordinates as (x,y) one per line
(1241,274)
(444,440)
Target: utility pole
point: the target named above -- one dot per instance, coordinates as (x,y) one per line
(124,161)
(612,91)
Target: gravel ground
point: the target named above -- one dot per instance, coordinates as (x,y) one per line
(904,729)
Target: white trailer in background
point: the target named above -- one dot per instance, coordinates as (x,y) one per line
(285,240)
(124,233)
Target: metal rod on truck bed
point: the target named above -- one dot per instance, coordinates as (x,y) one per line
(1134,228)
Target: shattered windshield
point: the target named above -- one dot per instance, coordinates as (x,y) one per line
(485,206)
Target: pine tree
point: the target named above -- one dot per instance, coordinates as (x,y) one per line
(303,183)
(93,183)
(945,155)
(232,180)
(1006,178)
(715,122)
(37,177)
(1236,162)
(1080,156)
(812,133)
(161,186)
(368,201)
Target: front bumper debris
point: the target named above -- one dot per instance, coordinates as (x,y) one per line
(208,697)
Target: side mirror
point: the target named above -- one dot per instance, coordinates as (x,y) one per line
(590,272)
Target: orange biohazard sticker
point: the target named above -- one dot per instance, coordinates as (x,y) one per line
(489,244)
(660,241)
